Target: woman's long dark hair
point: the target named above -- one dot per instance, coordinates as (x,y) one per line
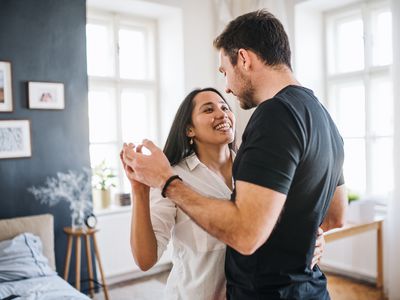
(177,146)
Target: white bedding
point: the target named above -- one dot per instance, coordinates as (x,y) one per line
(41,288)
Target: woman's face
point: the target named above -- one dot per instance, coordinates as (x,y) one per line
(213,121)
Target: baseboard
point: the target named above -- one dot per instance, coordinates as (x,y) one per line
(137,274)
(343,270)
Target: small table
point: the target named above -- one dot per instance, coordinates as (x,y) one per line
(354,229)
(77,234)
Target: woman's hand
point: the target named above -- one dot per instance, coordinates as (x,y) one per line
(319,248)
(136,185)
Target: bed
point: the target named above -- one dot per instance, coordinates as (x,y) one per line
(27,263)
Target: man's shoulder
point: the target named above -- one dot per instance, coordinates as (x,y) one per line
(270,113)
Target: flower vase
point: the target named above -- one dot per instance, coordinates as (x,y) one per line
(78,220)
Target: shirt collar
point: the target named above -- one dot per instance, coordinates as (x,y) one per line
(192,161)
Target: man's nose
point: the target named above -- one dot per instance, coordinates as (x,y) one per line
(228,90)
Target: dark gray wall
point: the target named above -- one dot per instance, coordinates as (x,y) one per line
(45,40)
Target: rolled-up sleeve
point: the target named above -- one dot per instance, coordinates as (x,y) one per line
(163,216)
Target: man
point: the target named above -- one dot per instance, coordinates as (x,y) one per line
(287,172)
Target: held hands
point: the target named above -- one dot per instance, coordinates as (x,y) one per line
(152,170)
(137,186)
(319,248)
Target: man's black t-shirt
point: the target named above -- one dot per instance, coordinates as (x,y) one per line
(292,146)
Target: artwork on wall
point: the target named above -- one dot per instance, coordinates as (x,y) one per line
(15,138)
(5,87)
(46,95)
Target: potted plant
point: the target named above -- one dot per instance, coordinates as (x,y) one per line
(352,196)
(103,178)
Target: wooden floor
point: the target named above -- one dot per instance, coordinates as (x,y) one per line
(341,288)
(152,287)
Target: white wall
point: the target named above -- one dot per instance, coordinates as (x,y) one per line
(393,261)
(308,38)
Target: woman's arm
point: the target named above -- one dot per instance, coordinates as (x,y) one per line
(143,240)
(153,218)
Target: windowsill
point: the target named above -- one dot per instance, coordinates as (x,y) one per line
(381,210)
(113,209)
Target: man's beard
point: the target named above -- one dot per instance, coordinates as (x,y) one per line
(246,97)
(246,100)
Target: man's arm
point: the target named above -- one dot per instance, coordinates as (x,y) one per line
(244,224)
(335,216)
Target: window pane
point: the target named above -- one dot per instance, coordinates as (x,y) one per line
(381,38)
(350,46)
(102,116)
(354,165)
(137,116)
(349,104)
(382,166)
(381,107)
(107,152)
(100,55)
(132,54)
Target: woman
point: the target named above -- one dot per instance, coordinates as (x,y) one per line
(200,148)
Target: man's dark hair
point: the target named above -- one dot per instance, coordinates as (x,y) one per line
(177,146)
(260,32)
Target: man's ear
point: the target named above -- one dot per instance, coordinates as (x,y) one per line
(244,59)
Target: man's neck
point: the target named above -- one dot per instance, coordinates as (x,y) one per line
(268,81)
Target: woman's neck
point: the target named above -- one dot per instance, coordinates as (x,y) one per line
(218,159)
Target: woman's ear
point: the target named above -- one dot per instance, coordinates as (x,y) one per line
(189,132)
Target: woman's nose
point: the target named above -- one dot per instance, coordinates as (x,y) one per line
(221,113)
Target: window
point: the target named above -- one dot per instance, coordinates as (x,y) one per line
(359,85)
(122,86)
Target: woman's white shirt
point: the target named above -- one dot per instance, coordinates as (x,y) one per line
(198,258)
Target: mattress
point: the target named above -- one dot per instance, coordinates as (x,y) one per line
(40,288)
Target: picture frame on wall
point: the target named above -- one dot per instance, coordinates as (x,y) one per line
(6,102)
(45,95)
(15,139)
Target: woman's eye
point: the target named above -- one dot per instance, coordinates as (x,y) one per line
(208,110)
(225,108)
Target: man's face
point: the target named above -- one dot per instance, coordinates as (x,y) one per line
(237,82)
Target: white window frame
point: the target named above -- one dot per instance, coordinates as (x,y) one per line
(365,75)
(150,85)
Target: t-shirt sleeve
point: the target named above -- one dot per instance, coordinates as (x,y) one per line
(341,179)
(273,147)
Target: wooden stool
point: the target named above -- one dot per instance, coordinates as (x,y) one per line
(87,233)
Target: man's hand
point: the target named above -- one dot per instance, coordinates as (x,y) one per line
(137,186)
(319,248)
(152,170)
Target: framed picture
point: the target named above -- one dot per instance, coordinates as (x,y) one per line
(6,103)
(15,138)
(46,95)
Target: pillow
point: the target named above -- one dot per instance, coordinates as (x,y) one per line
(22,257)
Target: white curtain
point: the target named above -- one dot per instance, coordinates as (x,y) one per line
(393,221)
(227,10)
